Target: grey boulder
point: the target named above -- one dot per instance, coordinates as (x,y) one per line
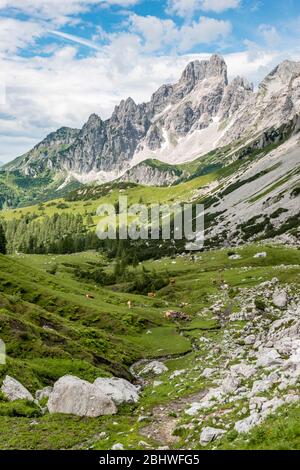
(14,390)
(154,367)
(119,390)
(210,434)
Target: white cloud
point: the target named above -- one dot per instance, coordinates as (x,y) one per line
(59,11)
(16,34)
(269,34)
(158,33)
(186,8)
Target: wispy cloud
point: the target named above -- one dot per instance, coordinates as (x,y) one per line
(76,39)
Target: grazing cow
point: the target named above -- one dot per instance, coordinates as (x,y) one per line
(89,296)
(172,315)
(151,295)
(129,304)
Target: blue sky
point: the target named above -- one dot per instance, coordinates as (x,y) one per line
(61,60)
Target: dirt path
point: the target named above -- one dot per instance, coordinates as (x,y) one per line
(163,423)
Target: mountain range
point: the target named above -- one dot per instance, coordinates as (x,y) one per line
(180,123)
(246,140)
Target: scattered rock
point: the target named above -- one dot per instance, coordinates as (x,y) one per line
(157,383)
(72,395)
(208,372)
(210,434)
(44,393)
(280,299)
(235,257)
(248,423)
(193,409)
(268,357)
(249,340)
(117,447)
(260,255)
(177,373)
(14,390)
(243,369)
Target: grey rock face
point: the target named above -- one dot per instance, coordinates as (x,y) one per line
(235,94)
(14,390)
(72,395)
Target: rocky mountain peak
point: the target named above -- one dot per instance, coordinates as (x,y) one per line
(199,70)
(93,121)
(280,77)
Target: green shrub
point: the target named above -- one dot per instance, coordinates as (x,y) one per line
(260,304)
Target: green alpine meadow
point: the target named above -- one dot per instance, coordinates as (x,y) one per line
(149,245)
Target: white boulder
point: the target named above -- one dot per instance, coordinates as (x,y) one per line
(246,370)
(260,255)
(210,434)
(154,367)
(119,390)
(14,390)
(268,357)
(280,299)
(72,395)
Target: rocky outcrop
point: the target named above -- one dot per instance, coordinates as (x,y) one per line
(72,395)
(150,174)
(14,390)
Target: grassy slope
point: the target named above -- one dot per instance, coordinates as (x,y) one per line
(84,330)
(135,195)
(44,315)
